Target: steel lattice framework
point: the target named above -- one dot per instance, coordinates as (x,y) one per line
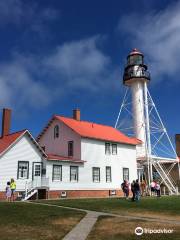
(158,145)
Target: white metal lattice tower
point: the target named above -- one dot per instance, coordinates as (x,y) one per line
(138,116)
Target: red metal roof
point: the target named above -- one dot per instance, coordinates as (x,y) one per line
(97,131)
(53,157)
(134,52)
(6,141)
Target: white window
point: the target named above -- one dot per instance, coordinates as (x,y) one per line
(74,173)
(37,170)
(108,174)
(23,170)
(114,148)
(126,174)
(96,174)
(107,148)
(57,173)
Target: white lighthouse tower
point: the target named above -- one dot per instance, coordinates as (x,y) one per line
(155,155)
(136,77)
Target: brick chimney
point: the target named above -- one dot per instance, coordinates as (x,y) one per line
(177,140)
(77,114)
(6,121)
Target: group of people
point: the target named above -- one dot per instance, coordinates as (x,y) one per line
(140,189)
(134,187)
(155,188)
(10,190)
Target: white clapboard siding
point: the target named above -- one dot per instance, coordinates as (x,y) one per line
(93,152)
(23,150)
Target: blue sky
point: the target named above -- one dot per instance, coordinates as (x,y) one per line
(59,55)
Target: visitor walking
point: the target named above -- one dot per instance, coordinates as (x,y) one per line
(8,192)
(152,186)
(137,190)
(125,188)
(143,188)
(158,189)
(13,188)
(132,190)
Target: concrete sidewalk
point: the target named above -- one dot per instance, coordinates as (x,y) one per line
(83,228)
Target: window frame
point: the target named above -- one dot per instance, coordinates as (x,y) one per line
(56,131)
(114,153)
(18,174)
(99,174)
(57,180)
(109,147)
(70,151)
(124,169)
(77,172)
(39,171)
(108,181)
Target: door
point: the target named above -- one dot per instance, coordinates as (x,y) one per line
(37,170)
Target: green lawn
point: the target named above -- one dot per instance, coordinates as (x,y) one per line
(169,205)
(26,221)
(23,221)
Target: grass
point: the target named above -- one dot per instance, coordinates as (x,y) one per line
(119,229)
(166,206)
(22,221)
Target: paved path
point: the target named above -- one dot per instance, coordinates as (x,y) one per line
(84,227)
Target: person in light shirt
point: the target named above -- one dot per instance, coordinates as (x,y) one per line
(152,185)
(13,188)
(158,189)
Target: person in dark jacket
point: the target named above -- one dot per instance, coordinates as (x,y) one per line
(125,188)
(132,190)
(137,190)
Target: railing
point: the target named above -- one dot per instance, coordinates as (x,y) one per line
(36,183)
(135,74)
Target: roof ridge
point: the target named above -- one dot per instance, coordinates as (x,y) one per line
(84,121)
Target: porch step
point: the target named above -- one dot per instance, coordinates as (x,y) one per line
(30,194)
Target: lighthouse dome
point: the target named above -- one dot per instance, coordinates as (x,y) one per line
(135,57)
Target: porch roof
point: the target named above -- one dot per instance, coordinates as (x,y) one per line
(53,157)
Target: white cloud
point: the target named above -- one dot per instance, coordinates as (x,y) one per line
(26,14)
(20,89)
(80,64)
(34,81)
(157,35)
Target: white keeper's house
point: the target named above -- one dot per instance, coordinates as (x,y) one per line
(69,158)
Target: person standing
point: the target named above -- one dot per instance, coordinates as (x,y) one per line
(137,190)
(8,192)
(152,185)
(132,190)
(143,188)
(13,188)
(158,189)
(125,188)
